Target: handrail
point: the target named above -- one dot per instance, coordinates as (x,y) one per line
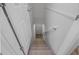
(53,28)
(61,13)
(8,19)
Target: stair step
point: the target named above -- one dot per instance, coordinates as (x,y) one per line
(39,47)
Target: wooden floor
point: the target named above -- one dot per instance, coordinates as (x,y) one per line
(39,47)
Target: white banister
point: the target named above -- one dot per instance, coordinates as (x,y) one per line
(52,28)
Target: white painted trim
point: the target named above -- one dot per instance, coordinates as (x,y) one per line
(34,32)
(43,31)
(71,17)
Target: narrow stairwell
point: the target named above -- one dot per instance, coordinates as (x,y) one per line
(39,47)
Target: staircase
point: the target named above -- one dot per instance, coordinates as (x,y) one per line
(39,47)
(75,52)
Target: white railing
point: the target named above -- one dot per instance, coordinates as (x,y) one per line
(52,28)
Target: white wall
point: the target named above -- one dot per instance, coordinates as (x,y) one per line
(0,37)
(38,13)
(7,36)
(0,42)
(20,19)
(71,40)
(60,15)
(38,16)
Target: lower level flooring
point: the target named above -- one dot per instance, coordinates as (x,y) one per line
(39,47)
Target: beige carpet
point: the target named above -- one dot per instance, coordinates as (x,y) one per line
(39,47)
